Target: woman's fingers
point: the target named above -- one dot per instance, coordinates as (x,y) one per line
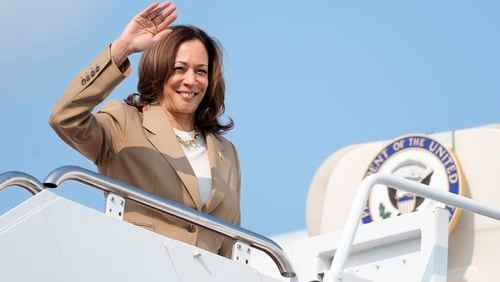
(164,14)
(167,22)
(148,10)
(166,18)
(157,11)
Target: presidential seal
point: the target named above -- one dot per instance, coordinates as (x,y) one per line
(418,158)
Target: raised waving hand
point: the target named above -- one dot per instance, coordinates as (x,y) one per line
(144,30)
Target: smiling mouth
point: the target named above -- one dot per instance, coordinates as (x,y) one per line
(187,94)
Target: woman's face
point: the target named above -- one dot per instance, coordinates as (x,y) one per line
(185,89)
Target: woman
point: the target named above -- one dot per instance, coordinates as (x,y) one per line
(167,138)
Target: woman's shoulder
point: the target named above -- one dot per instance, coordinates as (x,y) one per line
(116,107)
(225,142)
(120,111)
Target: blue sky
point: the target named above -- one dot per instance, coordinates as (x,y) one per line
(304,79)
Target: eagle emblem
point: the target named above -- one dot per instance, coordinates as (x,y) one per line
(418,158)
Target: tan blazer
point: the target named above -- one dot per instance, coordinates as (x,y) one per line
(141,149)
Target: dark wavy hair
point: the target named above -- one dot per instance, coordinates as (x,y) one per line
(157,66)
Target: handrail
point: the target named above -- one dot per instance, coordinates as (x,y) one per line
(21,179)
(351,226)
(61,174)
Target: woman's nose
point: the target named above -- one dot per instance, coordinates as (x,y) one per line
(190,77)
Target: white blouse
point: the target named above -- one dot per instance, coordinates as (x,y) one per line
(197,154)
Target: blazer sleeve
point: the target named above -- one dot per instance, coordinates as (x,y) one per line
(227,244)
(96,137)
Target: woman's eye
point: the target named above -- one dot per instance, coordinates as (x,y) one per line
(179,69)
(202,71)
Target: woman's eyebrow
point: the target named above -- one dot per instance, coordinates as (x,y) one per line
(184,63)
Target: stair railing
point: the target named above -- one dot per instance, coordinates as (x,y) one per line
(107,184)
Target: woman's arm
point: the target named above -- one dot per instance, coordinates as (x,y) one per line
(227,244)
(72,119)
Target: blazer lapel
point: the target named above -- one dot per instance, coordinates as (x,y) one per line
(164,140)
(220,169)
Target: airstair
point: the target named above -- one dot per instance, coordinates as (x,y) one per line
(50,238)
